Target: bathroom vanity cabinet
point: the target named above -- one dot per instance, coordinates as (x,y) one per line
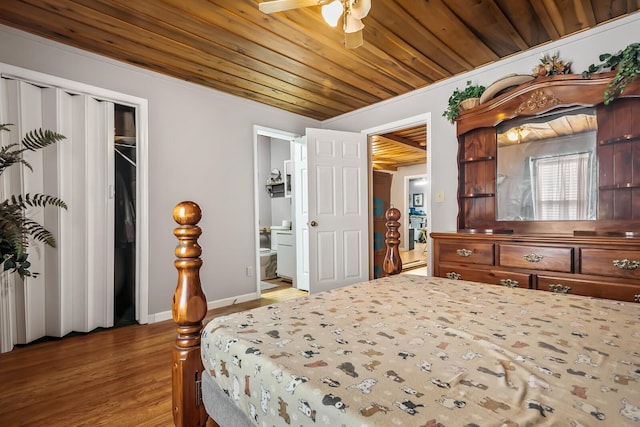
(286,254)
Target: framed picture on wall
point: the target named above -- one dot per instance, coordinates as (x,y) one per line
(417,199)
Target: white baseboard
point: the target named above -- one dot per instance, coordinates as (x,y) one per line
(166,315)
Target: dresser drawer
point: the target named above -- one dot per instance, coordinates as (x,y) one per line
(474,253)
(491,276)
(610,263)
(592,288)
(537,257)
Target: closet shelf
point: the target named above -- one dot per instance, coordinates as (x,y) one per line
(125,139)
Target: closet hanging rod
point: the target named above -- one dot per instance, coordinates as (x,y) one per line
(120,144)
(125,157)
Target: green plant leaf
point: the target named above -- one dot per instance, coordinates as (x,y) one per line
(39,138)
(15,228)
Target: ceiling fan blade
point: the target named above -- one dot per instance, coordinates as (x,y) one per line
(282,5)
(353,40)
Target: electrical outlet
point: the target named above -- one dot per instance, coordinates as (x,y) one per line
(439,196)
(249,271)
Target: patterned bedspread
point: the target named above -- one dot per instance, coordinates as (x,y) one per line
(423,351)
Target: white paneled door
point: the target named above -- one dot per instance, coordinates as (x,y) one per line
(337,208)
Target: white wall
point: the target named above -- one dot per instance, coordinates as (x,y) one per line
(582,49)
(280,206)
(264,172)
(200,149)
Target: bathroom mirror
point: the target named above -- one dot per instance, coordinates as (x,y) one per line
(547,167)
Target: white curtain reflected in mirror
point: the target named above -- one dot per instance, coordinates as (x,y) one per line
(547,168)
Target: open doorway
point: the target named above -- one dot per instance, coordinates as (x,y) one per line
(400,168)
(414,253)
(275,250)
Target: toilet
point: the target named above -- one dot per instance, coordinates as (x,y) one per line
(268,263)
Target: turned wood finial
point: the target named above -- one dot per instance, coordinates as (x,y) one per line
(188,264)
(188,310)
(392,263)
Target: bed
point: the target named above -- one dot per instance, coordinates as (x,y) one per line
(412,351)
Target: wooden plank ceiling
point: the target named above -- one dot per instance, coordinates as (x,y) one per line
(293,60)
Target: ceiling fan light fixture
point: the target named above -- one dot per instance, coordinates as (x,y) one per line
(351,24)
(359,8)
(332,12)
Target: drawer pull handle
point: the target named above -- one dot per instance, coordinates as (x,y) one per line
(464,252)
(453,275)
(509,283)
(626,264)
(636,298)
(559,289)
(533,257)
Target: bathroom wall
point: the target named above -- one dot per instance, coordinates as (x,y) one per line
(264,171)
(280,206)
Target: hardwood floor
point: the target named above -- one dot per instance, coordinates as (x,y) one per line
(415,258)
(117,377)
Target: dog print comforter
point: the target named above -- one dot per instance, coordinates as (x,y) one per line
(423,351)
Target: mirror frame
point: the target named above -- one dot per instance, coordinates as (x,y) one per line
(542,95)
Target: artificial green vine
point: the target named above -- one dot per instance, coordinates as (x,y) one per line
(627,65)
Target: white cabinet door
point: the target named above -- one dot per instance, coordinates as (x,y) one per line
(286,255)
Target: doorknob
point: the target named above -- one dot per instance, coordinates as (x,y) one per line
(313,223)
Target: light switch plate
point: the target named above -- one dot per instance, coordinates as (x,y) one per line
(439,196)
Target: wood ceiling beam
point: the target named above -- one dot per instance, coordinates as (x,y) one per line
(379,167)
(395,140)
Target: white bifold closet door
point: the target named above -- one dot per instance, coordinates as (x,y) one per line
(74,290)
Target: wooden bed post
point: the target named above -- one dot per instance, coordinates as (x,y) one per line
(392,263)
(188,310)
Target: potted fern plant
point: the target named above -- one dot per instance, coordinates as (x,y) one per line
(15,227)
(464,99)
(626,63)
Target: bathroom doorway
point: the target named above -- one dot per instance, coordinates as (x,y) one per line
(275,241)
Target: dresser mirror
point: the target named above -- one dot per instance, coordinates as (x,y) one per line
(547,167)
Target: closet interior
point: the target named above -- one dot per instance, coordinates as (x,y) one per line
(124,210)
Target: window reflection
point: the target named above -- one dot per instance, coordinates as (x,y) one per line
(547,168)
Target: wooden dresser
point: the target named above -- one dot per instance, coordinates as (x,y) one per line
(597,256)
(592,266)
